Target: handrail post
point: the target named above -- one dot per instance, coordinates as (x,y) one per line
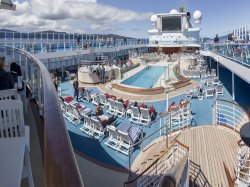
(129,161)
(166,126)
(171,130)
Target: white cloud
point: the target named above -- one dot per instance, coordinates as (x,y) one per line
(66,15)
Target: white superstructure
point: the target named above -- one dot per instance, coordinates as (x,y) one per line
(175,29)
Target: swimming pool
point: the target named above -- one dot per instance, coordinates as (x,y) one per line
(145,78)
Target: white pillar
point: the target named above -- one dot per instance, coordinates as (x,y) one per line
(210,62)
(218,73)
(233,87)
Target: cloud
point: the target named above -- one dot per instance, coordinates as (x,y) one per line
(67,15)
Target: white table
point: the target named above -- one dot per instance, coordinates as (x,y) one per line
(11,161)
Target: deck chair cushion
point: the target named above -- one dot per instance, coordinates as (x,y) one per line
(134,133)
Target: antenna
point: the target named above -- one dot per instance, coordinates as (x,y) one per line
(182,8)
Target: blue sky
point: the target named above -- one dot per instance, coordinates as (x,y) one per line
(219,16)
(124,17)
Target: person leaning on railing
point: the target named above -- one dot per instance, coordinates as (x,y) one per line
(6,78)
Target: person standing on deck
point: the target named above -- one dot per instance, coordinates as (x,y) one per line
(76,88)
(6,78)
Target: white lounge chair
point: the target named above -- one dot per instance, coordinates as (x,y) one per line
(145,116)
(219,90)
(120,109)
(95,98)
(85,95)
(186,115)
(62,104)
(10,94)
(112,108)
(113,138)
(102,99)
(135,115)
(78,112)
(12,126)
(87,127)
(70,112)
(209,92)
(197,74)
(98,129)
(210,81)
(216,81)
(176,118)
(128,139)
(196,92)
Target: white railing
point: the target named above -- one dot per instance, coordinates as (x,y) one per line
(42,88)
(147,140)
(229,114)
(232,115)
(180,119)
(237,52)
(243,166)
(161,166)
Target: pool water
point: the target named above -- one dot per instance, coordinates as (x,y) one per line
(145,78)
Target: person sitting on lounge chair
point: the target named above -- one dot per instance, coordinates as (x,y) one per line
(105,120)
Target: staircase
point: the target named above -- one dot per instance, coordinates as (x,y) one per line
(243,166)
(158,161)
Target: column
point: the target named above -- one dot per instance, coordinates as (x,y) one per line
(233,87)
(210,62)
(218,73)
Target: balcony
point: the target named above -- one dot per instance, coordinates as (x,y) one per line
(237,52)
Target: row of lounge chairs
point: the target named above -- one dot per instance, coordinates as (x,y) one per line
(180,114)
(93,127)
(123,138)
(211,81)
(199,68)
(73,111)
(207,91)
(116,108)
(139,115)
(199,73)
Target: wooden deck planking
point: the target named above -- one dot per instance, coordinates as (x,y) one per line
(219,157)
(210,146)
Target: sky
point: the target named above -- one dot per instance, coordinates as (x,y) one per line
(123,17)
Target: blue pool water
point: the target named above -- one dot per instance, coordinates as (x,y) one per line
(145,78)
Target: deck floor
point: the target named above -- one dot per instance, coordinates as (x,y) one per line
(210,147)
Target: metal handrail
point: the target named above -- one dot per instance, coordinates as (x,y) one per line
(236,104)
(161,155)
(175,173)
(231,116)
(59,156)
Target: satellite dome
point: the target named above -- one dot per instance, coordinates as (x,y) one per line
(174,11)
(197,15)
(154,18)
